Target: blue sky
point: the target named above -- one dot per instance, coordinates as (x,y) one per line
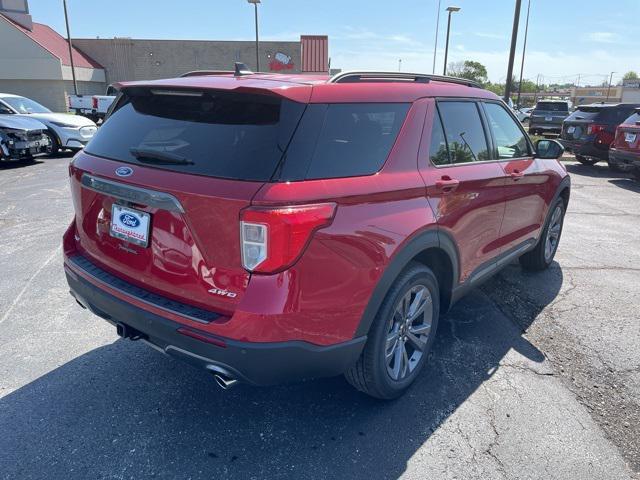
(566,37)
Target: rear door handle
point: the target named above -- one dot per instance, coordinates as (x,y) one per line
(447,184)
(516,174)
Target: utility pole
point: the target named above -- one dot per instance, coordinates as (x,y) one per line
(435,43)
(399,64)
(524,49)
(512,52)
(255,4)
(609,87)
(446,47)
(73,70)
(535,97)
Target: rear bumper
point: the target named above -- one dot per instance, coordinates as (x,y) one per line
(624,160)
(585,149)
(254,363)
(544,127)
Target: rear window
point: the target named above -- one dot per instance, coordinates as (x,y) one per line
(604,114)
(553,106)
(633,119)
(220,134)
(249,137)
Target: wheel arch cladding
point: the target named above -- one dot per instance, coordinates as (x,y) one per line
(432,248)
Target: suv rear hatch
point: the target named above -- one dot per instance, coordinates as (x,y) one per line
(549,113)
(158,192)
(628,134)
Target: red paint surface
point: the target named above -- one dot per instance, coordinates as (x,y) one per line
(322,296)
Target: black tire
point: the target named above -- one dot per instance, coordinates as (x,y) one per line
(615,168)
(371,373)
(53,150)
(587,160)
(539,258)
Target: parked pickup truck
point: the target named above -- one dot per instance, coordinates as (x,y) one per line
(94,107)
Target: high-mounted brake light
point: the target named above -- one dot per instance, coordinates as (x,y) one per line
(272,239)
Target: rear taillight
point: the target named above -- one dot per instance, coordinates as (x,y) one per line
(595,128)
(95,102)
(272,239)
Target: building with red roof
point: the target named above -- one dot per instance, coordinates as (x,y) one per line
(35,60)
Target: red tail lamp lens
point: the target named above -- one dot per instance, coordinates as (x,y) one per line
(272,239)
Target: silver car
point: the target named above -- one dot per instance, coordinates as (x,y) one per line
(65,131)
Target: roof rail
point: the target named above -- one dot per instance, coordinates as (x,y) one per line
(372,76)
(201,73)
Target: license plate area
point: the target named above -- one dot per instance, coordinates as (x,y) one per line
(130,225)
(571,129)
(629,137)
(548,119)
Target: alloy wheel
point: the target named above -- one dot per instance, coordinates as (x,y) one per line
(553,233)
(408,332)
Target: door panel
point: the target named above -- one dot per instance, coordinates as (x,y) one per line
(467,199)
(525,205)
(525,176)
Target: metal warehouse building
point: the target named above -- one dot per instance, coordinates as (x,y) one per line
(137,59)
(35,60)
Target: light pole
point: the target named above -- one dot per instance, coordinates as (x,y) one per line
(524,48)
(512,52)
(255,5)
(446,47)
(435,43)
(73,70)
(609,87)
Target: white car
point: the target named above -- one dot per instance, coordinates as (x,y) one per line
(65,131)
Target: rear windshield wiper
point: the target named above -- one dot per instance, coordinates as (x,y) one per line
(157,156)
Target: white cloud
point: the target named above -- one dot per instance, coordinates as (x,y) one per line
(493,36)
(603,37)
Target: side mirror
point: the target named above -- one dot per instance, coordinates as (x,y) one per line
(549,149)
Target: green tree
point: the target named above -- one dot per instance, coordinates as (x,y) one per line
(630,75)
(468,69)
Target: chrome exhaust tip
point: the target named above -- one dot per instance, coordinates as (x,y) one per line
(225,382)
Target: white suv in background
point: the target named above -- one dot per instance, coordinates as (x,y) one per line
(65,131)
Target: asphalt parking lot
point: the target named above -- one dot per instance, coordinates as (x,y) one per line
(533,376)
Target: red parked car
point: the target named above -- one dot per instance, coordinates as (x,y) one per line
(276,227)
(625,150)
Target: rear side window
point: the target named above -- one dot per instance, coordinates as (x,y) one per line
(343,140)
(438,151)
(509,139)
(553,106)
(464,132)
(214,133)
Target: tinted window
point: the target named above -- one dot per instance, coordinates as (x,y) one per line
(633,119)
(553,106)
(438,151)
(343,140)
(464,132)
(603,114)
(510,141)
(220,134)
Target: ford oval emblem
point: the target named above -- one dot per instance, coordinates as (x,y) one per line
(129,220)
(124,171)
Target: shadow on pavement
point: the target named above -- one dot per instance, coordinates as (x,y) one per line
(12,165)
(125,411)
(599,170)
(627,184)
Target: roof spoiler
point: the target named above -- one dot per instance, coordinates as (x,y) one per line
(239,70)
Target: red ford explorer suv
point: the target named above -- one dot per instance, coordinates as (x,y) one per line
(270,228)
